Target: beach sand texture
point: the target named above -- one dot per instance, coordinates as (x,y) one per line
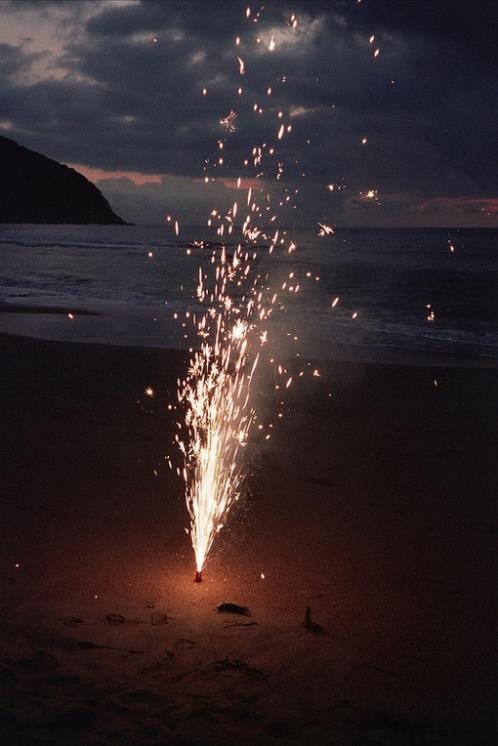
(373,506)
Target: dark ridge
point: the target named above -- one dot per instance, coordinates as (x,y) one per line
(37,189)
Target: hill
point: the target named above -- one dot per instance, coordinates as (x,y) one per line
(37,189)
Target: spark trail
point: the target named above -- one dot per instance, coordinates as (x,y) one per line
(216,392)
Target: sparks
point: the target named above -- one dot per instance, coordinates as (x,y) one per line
(325,230)
(228,122)
(234,300)
(216,399)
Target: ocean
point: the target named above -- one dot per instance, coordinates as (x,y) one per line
(411,293)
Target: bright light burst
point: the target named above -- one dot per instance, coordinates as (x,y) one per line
(216,393)
(228,122)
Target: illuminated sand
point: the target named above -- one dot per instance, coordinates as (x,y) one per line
(365,508)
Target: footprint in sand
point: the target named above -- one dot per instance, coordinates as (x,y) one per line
(116,620)
(167,659)
(40,662)
(70,621)
(228,665)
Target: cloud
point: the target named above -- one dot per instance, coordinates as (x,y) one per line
(120,90)
(186,199)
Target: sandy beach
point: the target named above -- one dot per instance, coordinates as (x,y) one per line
(373,504)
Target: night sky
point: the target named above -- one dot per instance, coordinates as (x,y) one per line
(115,89)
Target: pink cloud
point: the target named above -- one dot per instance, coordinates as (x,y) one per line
(469,205)
(100,174)
(229,183)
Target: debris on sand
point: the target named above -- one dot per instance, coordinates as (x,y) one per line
(117,619)
(311,626)
(245,625)
(87,645)
(167,658)
(229,608)
(233,665)
(70,621)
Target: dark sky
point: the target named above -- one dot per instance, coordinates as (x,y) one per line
(115,88)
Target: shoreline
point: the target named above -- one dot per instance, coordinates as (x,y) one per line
(31,322)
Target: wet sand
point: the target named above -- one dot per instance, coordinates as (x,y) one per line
(374,506)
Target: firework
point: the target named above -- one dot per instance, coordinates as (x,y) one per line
(325,230)
(235,301)
(228,122)
(216,395)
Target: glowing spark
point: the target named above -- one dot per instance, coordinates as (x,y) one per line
(335,302)
(377,52)
(228,122)
(242,66)
(150,254)
(70,316)
(149,391)
(271,45)
(204,91)
(364,141)
(280,133)
(325,230)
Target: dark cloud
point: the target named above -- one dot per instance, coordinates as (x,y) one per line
(125,93)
